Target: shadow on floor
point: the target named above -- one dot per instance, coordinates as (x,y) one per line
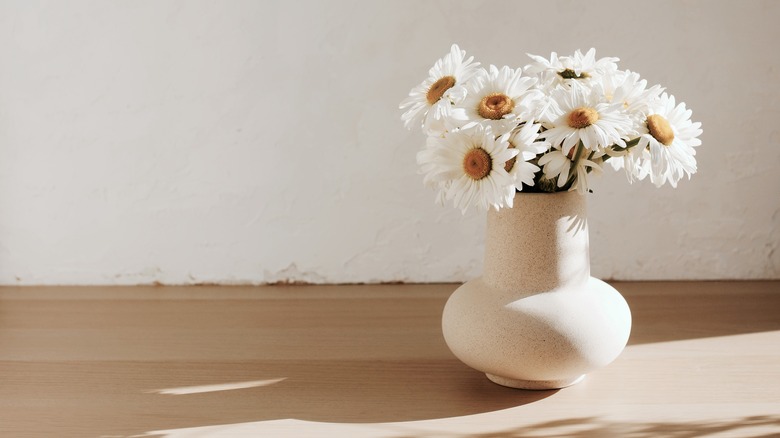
(427,385)
(700,309)
(761,426)
(317,391)
(755,427)
(587,427)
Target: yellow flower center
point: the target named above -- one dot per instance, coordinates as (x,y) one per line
(660,129)
(495,106)
(582,117)
(477,163)
(438,88)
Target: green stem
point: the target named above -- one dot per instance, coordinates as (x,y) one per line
(629,145)
(573,169)
(578,154)
(632,143)
(590,157)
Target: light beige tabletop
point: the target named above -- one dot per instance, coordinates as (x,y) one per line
(368,361)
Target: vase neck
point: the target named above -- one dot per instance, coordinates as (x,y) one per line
(539,245)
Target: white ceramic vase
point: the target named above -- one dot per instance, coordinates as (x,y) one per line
(536,319)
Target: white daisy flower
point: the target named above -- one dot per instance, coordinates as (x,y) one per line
(469,166)
(670,138)
(445,85)
(628,88)
(627,161)
(500,99)
(525,140)
(640,168)
(427,160)
(568,69)
(582,115)
(445,121)
(557,165)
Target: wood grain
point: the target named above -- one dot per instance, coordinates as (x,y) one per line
(703,360)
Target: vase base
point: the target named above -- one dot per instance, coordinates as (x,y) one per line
(536,385)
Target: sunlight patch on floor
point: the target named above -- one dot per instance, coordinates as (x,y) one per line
(743,343)
(218,387)
(666,408)
(592,427)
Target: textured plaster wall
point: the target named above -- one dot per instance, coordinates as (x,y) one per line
(251,142)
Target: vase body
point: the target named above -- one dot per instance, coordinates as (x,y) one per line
(536,319)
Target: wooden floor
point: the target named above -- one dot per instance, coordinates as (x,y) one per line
(368,361)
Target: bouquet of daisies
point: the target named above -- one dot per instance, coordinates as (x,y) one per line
(550,126)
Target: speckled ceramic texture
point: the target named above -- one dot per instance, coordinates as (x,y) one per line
(536,319)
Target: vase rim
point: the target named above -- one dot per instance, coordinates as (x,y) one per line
(568,192)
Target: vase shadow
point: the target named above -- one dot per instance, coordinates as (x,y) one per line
(344,392)
(369,359)
(692,310)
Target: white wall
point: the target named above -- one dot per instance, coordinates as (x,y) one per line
(250,142)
